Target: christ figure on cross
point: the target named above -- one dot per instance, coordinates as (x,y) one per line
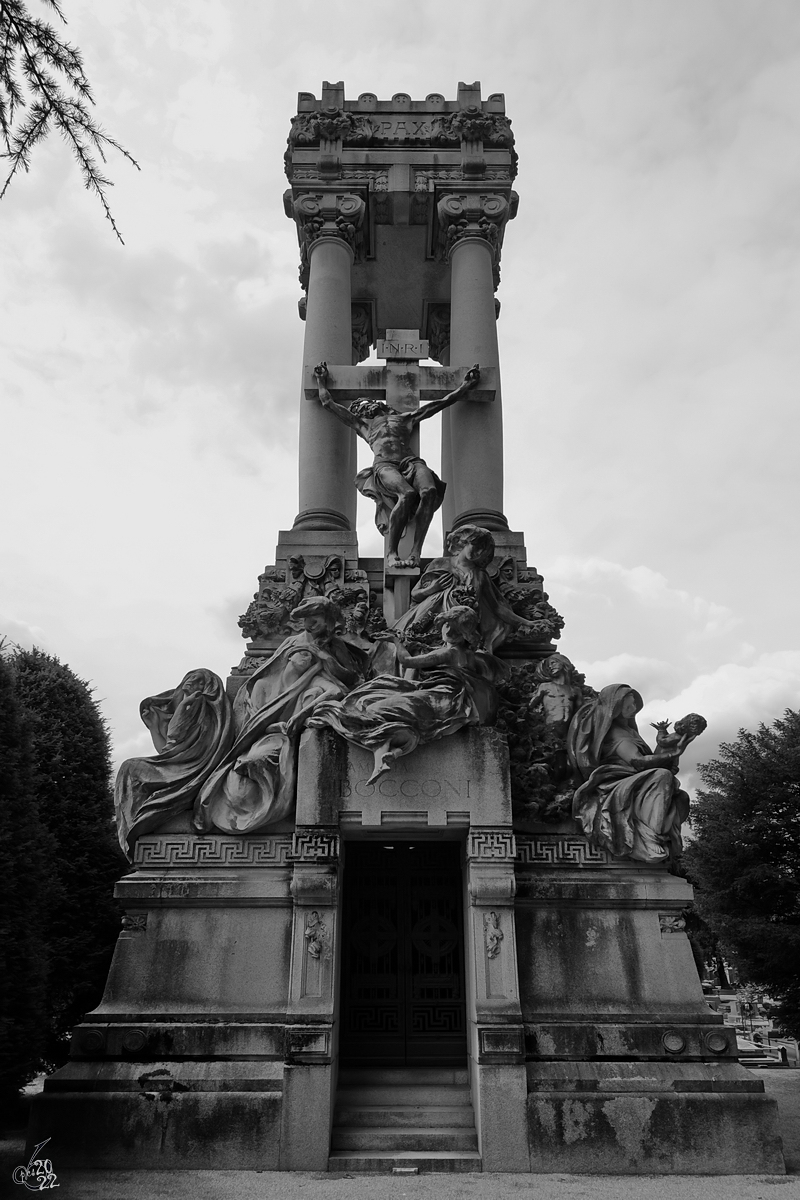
(402,485)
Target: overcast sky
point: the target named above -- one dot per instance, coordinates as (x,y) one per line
(649,334)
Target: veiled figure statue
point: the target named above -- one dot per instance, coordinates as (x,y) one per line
(192,730)
(460,575)
(629,801)
(255,784)
(447,688)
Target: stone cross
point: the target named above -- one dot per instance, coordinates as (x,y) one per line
(404,385)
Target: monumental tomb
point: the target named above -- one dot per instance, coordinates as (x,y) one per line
(402,888)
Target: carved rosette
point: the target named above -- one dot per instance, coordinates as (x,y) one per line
(327,215)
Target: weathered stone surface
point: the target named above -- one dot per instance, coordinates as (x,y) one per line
(161,1126)
(459,781)
(649,1132)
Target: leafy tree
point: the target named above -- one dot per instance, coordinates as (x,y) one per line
(23,904)
(745,860)
(71,768)
(43,86)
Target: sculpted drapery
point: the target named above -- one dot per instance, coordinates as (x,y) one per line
(443,690)
(462,573)
(629,801)
(235,765)
(255,785)
(192,730)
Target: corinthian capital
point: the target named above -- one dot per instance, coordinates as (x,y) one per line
(327,215)
(473,215)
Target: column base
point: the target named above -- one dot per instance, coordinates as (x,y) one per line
(484,518)
(321,519)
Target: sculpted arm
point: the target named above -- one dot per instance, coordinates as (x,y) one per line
(327,400)
(471,380)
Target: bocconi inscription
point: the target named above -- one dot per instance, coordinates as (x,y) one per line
(409,789)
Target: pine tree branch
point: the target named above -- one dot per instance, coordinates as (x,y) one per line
(33,47)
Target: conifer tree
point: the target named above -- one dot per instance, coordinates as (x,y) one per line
(71,775)
(745,859)
(24,902)
(43,86)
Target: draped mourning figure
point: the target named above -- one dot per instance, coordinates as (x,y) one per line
(235,765)
(255,785)
(461,576)
(440,692)
(628,801)
(192,730)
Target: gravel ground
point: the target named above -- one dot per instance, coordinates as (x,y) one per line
(251,1185)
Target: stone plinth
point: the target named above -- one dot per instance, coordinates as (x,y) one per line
(212,1012)
(628,1069)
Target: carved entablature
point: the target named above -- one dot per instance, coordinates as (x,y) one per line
(330,125)
(327,215)
(470,124)
(282,588)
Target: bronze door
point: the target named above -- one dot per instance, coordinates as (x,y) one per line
(403,956)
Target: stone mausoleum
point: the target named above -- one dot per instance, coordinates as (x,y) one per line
(402,888)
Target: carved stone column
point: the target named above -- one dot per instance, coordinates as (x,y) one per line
(330,226)
(470,231)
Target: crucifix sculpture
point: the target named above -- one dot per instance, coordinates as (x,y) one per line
(405,490)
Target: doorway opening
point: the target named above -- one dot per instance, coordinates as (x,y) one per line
(403,999)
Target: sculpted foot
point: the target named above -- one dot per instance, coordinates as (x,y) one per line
(392,559)
(383,764)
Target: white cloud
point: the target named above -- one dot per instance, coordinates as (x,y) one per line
(20,633)
(734,696)
(650,587)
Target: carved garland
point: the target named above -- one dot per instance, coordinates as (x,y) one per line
(492,934)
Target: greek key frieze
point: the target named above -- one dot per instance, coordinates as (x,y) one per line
(491,845)
(559,851)
(183,850)
(311,847)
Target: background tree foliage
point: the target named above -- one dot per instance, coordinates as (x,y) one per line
(43,86)
(23,886)
(59,846)
(745,860)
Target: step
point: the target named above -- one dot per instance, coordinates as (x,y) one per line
(419,1139)
(371,1095)
(384,1164)
(404,1115)
(438,1076)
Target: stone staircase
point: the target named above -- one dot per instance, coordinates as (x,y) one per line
(393,1119)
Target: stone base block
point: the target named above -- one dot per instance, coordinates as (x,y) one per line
(650,1119)
(160,1125)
